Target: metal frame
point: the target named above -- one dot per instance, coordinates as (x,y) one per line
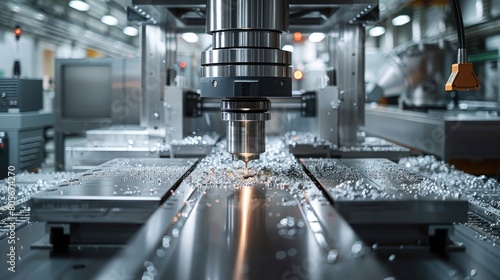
(460,135)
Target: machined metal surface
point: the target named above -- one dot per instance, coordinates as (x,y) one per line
(328,105)
(247,14)
(236,55)
(248,38)
(270,225)
(377,191)
(154,76)
(351,86)
(246,140)
(119,191)
(118,135)
(272,221)
(448,135)
(245,126)
(277,71)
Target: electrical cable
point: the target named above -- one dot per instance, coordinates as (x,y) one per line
(460,24)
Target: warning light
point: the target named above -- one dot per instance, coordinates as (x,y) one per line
(297,36)
(182,64)
(298,75)
(18,31)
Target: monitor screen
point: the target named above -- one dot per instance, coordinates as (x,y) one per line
(86,91)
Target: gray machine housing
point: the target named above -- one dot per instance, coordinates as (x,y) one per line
(21,95)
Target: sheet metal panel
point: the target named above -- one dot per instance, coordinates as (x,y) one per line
(121,190)
(378,191)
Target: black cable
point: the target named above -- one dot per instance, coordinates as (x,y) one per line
(460,24)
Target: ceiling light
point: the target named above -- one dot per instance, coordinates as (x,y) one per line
(376,31)
(400,20)
(79,5)
(288,48)
(109,20)
(316,37)
(130,31)
(190,37)
(40,16)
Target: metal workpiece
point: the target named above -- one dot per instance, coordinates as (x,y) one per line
(27,184)
(309,145)
(377,191)
(119,191)
(192,146)
(268,223)
(245,126)
(481,191)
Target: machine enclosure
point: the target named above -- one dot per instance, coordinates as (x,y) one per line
(21,95)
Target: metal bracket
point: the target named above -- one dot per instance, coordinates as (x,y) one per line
(308,104)
(192,105)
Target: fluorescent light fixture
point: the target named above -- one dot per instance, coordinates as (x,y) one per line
(400,20)
(79,5)
(40,16)
(376,31)
(288,48)
(190,37)
(109,20)
(316,37)
(130,31)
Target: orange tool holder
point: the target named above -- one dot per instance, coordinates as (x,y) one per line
(462,78)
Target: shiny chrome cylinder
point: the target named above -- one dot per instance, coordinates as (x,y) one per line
(247,14)
(246,58)
(245,139)
(246,126)
(247,38)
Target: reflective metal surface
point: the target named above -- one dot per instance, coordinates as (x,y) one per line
(247,14)
(280,72)
(368,191)
(245,127)
(248,38)
(272,225)
(246,49)
(119,191)
(263,56)
(271,222)
(448,135)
